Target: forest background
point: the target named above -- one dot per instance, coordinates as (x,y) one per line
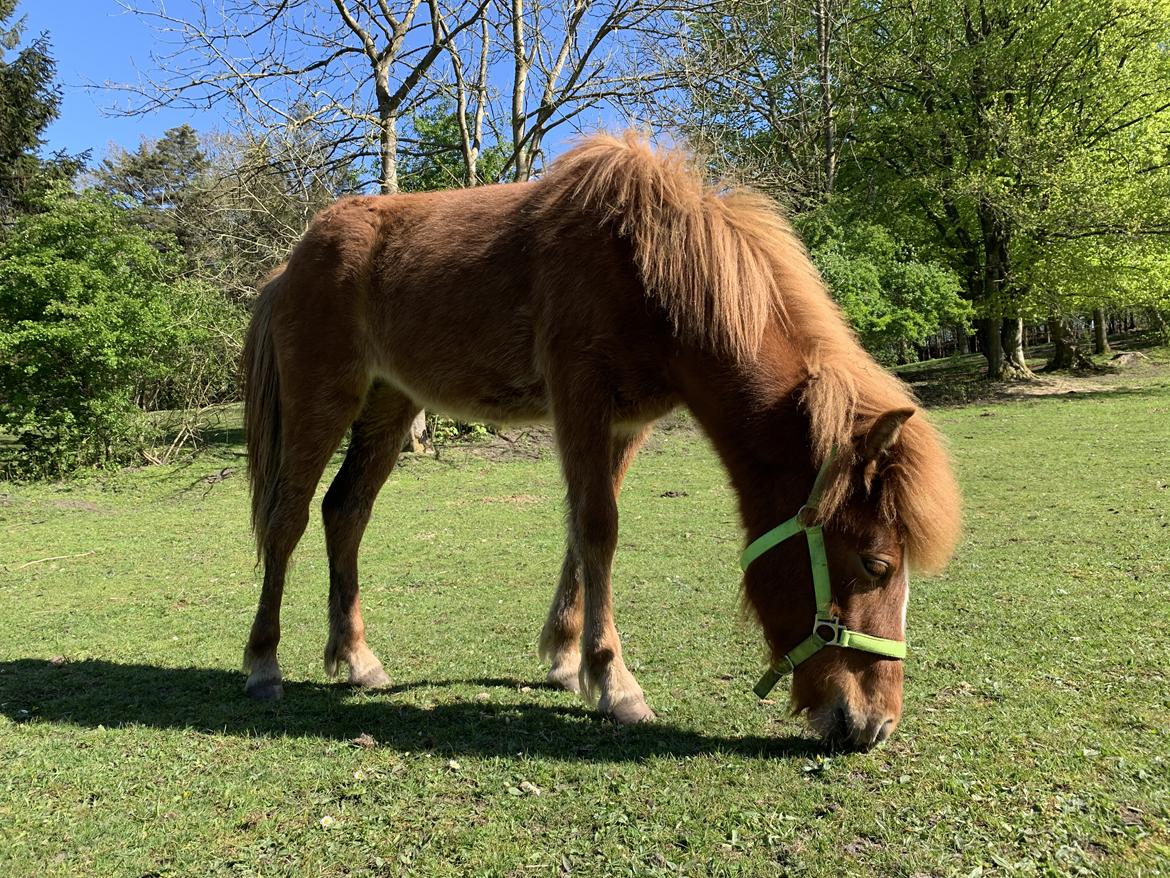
(969,175)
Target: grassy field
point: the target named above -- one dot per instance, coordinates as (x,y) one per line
(1036,739)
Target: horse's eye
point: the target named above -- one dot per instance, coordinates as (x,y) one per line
(875,567)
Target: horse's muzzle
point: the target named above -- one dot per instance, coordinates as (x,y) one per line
(847,729)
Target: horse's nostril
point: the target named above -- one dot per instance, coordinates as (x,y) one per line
(884,732)
(842,724)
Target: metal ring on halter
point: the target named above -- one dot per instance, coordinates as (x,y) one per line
(835,630)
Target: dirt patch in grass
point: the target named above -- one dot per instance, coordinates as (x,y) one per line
(515,499)
(80,505)
(1058,385)
(529,442)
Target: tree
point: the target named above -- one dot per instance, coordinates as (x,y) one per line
(1006,128)
(987,133)
(570,56)
(157,183)
(350,70)
(29,101)
(439,160)
(254,201)
(765,89)
(770,91)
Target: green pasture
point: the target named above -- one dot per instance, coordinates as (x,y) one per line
(1036,739)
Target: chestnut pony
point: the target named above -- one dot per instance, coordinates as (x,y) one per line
(601,296)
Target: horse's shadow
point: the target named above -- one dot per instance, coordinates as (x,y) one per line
(91,693)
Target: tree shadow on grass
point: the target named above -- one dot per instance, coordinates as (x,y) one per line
(99,693)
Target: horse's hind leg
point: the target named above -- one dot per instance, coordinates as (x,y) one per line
(377,436)
(560,638)
(310,435)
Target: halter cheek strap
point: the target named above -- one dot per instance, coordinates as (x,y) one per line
(827,629)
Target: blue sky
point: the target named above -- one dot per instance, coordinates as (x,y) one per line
(96,41)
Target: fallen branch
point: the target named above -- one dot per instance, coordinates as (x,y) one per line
(54,558)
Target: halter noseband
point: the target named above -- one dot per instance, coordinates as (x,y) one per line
(827,629)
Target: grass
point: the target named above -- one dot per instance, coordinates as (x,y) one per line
(1036,739)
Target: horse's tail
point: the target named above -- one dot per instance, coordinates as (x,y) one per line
(262,408)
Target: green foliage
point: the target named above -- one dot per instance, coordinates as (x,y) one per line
(891,298)
(1021,143)
(1013,136)
(436,161)
(87,324)
(444,431)
(202,365)
(1072,277)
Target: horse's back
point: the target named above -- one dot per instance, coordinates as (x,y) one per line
(468,300)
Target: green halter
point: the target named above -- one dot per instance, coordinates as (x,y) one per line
(827,629)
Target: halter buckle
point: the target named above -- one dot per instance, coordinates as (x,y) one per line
(832,626)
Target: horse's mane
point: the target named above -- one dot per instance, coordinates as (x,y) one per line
(723,263)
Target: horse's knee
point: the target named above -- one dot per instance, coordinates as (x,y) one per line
(596,526)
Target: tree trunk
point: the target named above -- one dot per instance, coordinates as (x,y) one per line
(1159,323)
(387,134)
(520,68)
(416,439)
(991,345)
(828,135)
(1012,342)
(962,340)
(1100,336)
(1063,350)
(419,440)
(992,282)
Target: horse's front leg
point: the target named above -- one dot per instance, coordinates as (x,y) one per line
(593,530)
(561,636)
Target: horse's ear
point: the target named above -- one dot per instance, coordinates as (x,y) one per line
(884,433)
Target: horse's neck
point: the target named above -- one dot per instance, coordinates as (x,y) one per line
(760,431)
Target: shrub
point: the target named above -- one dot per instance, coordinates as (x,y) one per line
(892,297)
(86,322)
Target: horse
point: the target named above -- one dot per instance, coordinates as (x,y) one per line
(601,296)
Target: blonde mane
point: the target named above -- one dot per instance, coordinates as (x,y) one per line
(724,263)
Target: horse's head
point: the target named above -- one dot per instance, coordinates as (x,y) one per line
(841,629)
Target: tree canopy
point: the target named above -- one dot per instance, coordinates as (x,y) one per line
(1021,143)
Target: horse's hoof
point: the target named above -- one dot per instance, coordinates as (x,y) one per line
(631,712)
(371,678)
(564,678)
(265,690)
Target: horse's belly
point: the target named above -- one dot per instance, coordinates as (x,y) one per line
(472,394)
